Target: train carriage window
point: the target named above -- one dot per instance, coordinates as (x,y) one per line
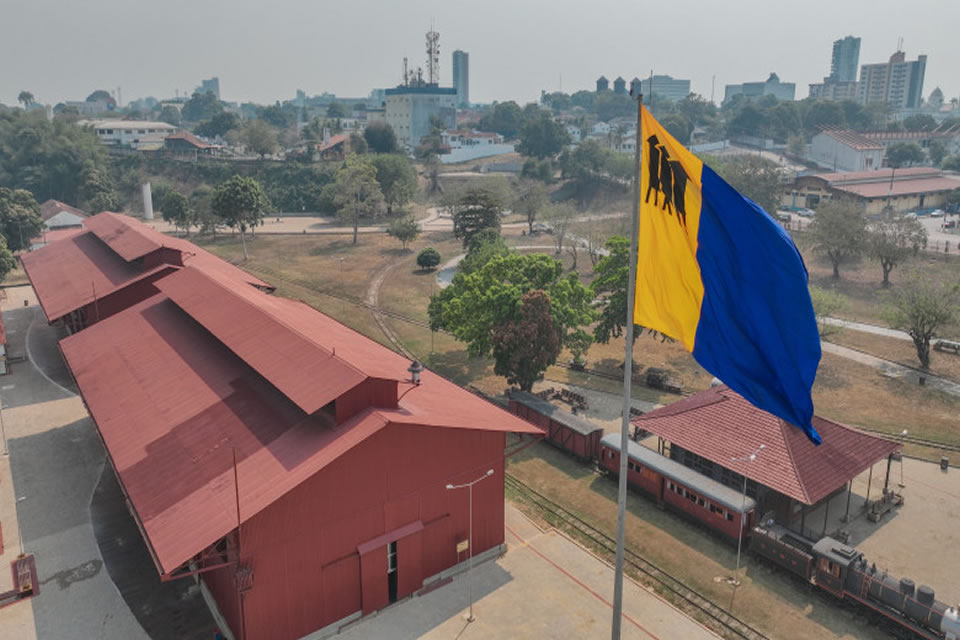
(700,502)
(729,516)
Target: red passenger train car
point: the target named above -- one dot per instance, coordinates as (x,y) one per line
(680,488)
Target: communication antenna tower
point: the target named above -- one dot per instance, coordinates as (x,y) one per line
(433,57)
(406,74)
(900,43)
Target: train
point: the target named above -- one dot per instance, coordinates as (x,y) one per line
(829,565)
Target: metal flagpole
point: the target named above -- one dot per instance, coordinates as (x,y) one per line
(627,379)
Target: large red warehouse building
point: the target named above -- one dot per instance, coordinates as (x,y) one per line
(290,463)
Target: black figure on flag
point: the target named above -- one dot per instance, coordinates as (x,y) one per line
(653,168)
(668,177)
(679,191)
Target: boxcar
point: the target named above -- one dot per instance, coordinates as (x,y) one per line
(680,488)
(563,429)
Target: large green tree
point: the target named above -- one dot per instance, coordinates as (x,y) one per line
(357,192)
(380,137)
(259,137)
(397,178)
(201,106)
(919,122)
(839,232)
(505,118)
(923,307)
(170,114)
(7,260)
(240,203)
(26,99)
(609,287)
(757,178)
(893,239)
(476,305)
(218,125)
(542,137)
(476,210)
(524,346)
(903,154)
(20,219)
(936,151)
(176,210)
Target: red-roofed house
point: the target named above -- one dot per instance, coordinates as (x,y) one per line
(57,215)
(111,264)
(790,477)
(185,143)
(288,461)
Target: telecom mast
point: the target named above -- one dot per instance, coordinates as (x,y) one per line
(433,57)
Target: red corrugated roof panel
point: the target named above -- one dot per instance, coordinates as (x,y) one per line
(68,274)
(900,187)
(130,241)
(251,324)
(719,424)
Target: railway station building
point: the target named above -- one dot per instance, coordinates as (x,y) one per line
(790,477)
(303,474)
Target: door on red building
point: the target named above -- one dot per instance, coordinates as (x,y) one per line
(392,582)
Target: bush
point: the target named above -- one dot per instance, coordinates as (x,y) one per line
(429,258)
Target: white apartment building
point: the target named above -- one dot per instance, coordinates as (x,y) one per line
(409,109)
(133,134)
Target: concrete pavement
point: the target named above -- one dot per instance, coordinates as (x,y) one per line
(546,586)
(868,328)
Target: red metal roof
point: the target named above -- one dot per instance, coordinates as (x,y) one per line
(332,142)
(71,272)
(900,187)
(66,273)
(172,402)
(719,424)
(878,175)
(54,235)
(186,136)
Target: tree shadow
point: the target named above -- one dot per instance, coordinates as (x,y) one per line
(458,366)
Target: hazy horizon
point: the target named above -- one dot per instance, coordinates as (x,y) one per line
(264,53)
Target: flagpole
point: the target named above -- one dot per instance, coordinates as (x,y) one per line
(627,380)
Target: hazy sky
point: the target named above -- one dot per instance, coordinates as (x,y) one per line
(264,51)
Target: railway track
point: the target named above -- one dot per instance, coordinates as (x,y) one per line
(908,439)
(732,626)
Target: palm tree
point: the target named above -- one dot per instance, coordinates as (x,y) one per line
(26,98)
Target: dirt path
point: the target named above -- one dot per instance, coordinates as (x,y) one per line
(892,369)
(372,297)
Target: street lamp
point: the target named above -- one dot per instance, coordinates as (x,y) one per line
(748,459)
(469,487)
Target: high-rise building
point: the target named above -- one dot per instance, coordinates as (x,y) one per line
(897,82)
(210,86)
(846,57)
(665,87)
(772,87)
(409,109)
(461,76)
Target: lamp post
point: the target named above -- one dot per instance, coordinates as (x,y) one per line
(743,503)
(469,487)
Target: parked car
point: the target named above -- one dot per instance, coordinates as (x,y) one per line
(950,224)
(936,213)
(803,211)
(782,216)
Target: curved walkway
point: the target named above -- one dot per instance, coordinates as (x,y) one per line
(892,369)
(867,328)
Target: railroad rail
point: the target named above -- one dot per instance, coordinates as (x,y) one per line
(732,625)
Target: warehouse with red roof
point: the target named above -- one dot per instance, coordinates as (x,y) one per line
(110,264)
(712,431)
(296,468)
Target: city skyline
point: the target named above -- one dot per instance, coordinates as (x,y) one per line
(548,50)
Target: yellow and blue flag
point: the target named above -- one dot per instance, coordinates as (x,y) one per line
(717,273)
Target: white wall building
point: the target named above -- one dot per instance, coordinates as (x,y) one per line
(409,109)
(132,134)
(841,150)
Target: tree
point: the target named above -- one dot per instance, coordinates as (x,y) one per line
(170,115)
(753,176)
(428,258)
(483,247)
(523,347)
(380,137)
(201,106)
(479,305)
(397,179)
(542,137)
(822,113)
(678,126)
(796,146)
(336,110)
(951,163)
(474,211)
(357,192)
(100,95)
(839,231)
(919,122)
(560,216)
(218,125)
(239,203)
(20,219)
(176,210)
(259,137)
(504,118)
(431,168)
(358,144)
(826,304)
(26,99)
(893,239)
(7,260)
(98,192)
(278,116)
(609,287)
(921,308)
(902,154)
(532,199)
(937,151)
(404,229)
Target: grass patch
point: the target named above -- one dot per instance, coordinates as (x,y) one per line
(941,363)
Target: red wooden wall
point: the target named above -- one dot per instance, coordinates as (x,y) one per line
(308,572)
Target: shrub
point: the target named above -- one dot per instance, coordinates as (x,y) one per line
(429,258)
